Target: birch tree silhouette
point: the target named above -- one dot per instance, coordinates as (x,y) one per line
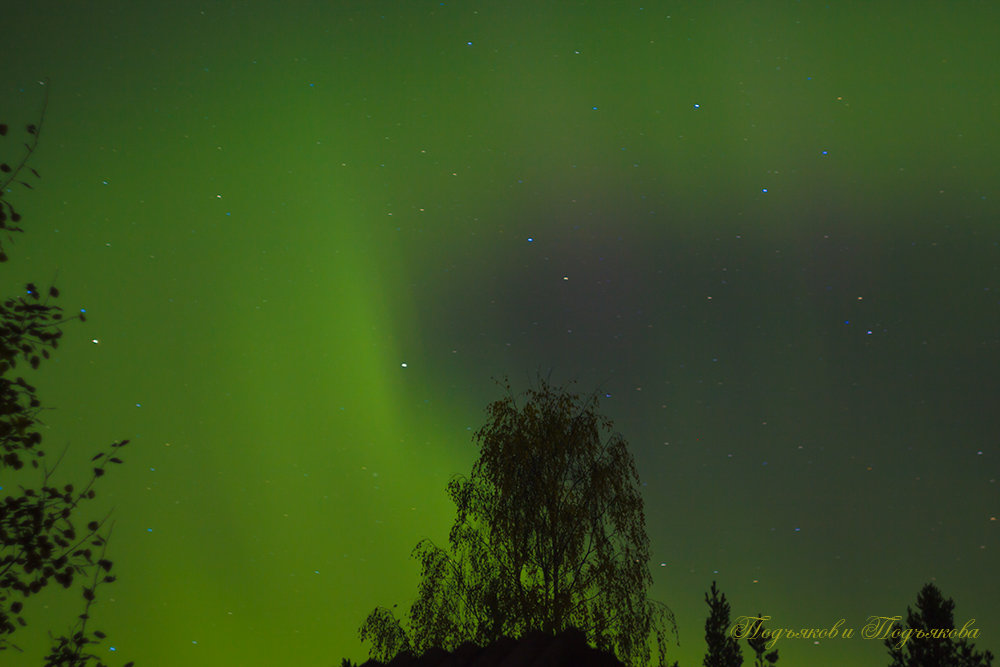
(549,534)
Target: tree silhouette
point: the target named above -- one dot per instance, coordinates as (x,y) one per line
(758,642)
(550,534)
(723,649)
(933,613)
(39,541)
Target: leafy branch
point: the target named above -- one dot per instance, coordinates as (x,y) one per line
(10,174)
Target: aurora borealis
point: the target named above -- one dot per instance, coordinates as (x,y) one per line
(307,236)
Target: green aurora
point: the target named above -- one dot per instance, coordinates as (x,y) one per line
(308,234)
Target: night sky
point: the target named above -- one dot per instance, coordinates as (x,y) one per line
(309,235)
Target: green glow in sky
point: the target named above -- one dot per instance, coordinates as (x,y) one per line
(307,235)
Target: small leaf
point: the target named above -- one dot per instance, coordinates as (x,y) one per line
(31,129)
(3,129)
(99,634)
(35,172)
(98,472)
(53,291)
(93,526)
(5,168)
(27,185)
(97,456)
(115,459)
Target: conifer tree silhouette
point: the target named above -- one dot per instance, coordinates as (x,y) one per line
(723,649)
(758,643)
(933,612)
